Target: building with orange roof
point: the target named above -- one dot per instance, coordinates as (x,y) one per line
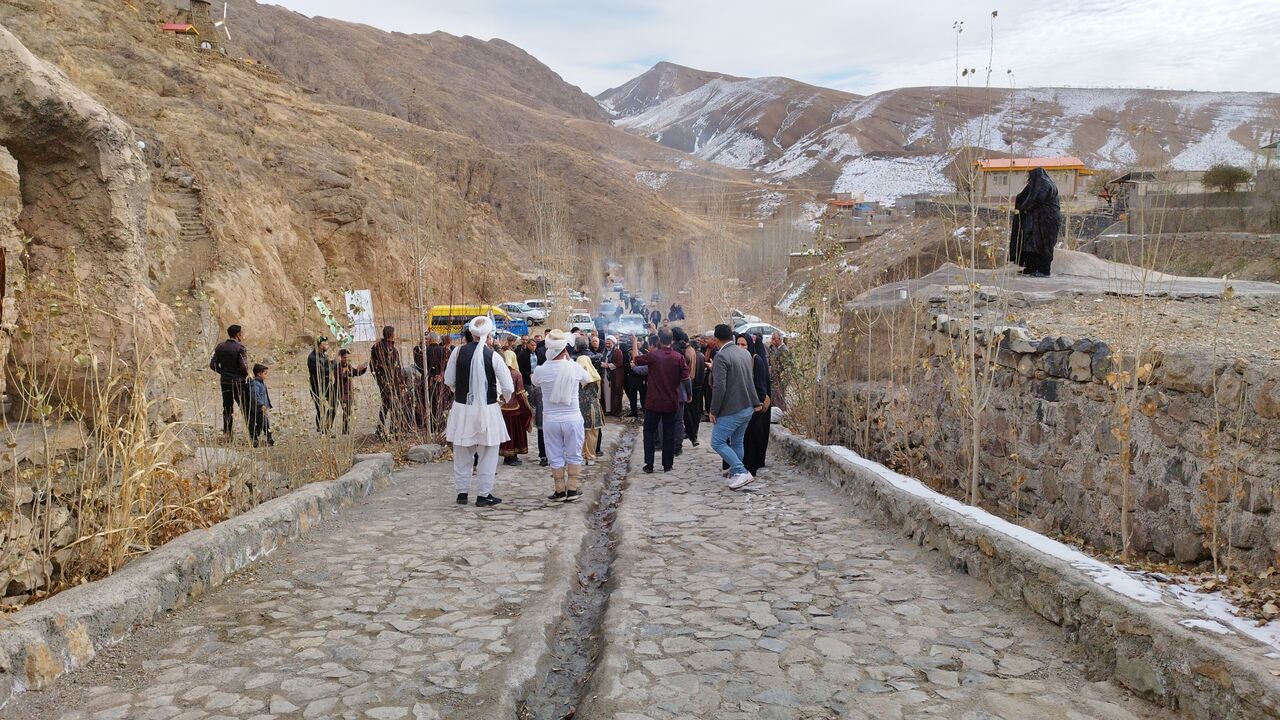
(1000,179)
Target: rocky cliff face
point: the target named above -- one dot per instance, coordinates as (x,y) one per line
(269,187)
(900,141)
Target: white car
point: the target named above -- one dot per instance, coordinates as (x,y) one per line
(630,324)
(764,330)
(582,320)
(526,312)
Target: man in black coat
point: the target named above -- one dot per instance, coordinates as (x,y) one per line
(1037,219)
(231,361)
(321,373)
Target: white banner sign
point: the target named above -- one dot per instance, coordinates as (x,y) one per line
(360,311)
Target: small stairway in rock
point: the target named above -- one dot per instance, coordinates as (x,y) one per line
(194,260)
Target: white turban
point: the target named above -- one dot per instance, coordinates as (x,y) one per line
(556,342)
(480,326)
(611,338)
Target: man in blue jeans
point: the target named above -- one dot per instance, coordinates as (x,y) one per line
(733,401)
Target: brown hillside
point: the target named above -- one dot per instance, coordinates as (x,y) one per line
(264,195)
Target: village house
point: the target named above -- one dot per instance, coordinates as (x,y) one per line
(1000,179)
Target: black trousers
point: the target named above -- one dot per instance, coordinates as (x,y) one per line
(326,411)
(259,423)
(542,446)
(667,420)
(693,415)
(233,392)
(635,395)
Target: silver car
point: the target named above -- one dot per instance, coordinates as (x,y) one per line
(523,311)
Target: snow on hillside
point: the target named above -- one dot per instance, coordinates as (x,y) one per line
(651,179)
(872,145)
(884,179)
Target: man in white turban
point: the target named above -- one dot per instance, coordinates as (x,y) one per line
(560,378)
(478,377)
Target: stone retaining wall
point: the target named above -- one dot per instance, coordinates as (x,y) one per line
(1145,642)
(1246,256)
(1204,443)
(53,637)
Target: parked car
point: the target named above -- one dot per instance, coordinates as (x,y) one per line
(629,324)
(607,308)
(582,319)
(619,287)
(526,312)
(503,335)
(740,318)
(540,304)
(764,330)
(579,297)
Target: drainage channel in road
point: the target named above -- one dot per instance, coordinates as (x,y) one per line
(576,642)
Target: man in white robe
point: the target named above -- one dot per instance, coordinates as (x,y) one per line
(479,379)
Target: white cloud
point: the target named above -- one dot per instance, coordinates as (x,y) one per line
(864,47)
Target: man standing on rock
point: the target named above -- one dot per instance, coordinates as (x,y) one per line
(320,371)
(668,370)
(733,402)
(231,361)
(478,377)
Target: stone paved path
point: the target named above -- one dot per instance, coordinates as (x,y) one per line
(778,603)
(406,606)
(784,603)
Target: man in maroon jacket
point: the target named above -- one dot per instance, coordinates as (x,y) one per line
(668,369)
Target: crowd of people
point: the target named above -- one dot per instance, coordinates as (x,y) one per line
(489,396)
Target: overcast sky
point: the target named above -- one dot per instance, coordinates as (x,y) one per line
(863,46)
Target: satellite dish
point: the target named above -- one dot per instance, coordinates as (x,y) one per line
(222,24)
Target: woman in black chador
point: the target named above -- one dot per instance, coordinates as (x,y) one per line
(1036,221)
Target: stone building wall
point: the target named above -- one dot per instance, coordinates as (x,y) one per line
(1051,460)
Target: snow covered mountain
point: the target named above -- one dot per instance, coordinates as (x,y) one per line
(739,122)
(899,142)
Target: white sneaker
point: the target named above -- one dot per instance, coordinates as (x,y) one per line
(740,481)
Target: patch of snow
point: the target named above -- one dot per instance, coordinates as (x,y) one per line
(1217,145)
(769,203)
(810,214)
(1102,573)
(1212,626)
(651,179)
(1220,608)
(861,109)
(1117,151)
(788,301)
(792,163)
(884,179)
(734,149)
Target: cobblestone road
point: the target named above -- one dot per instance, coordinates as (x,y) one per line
(405,606)
(783,603)
(777,603)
